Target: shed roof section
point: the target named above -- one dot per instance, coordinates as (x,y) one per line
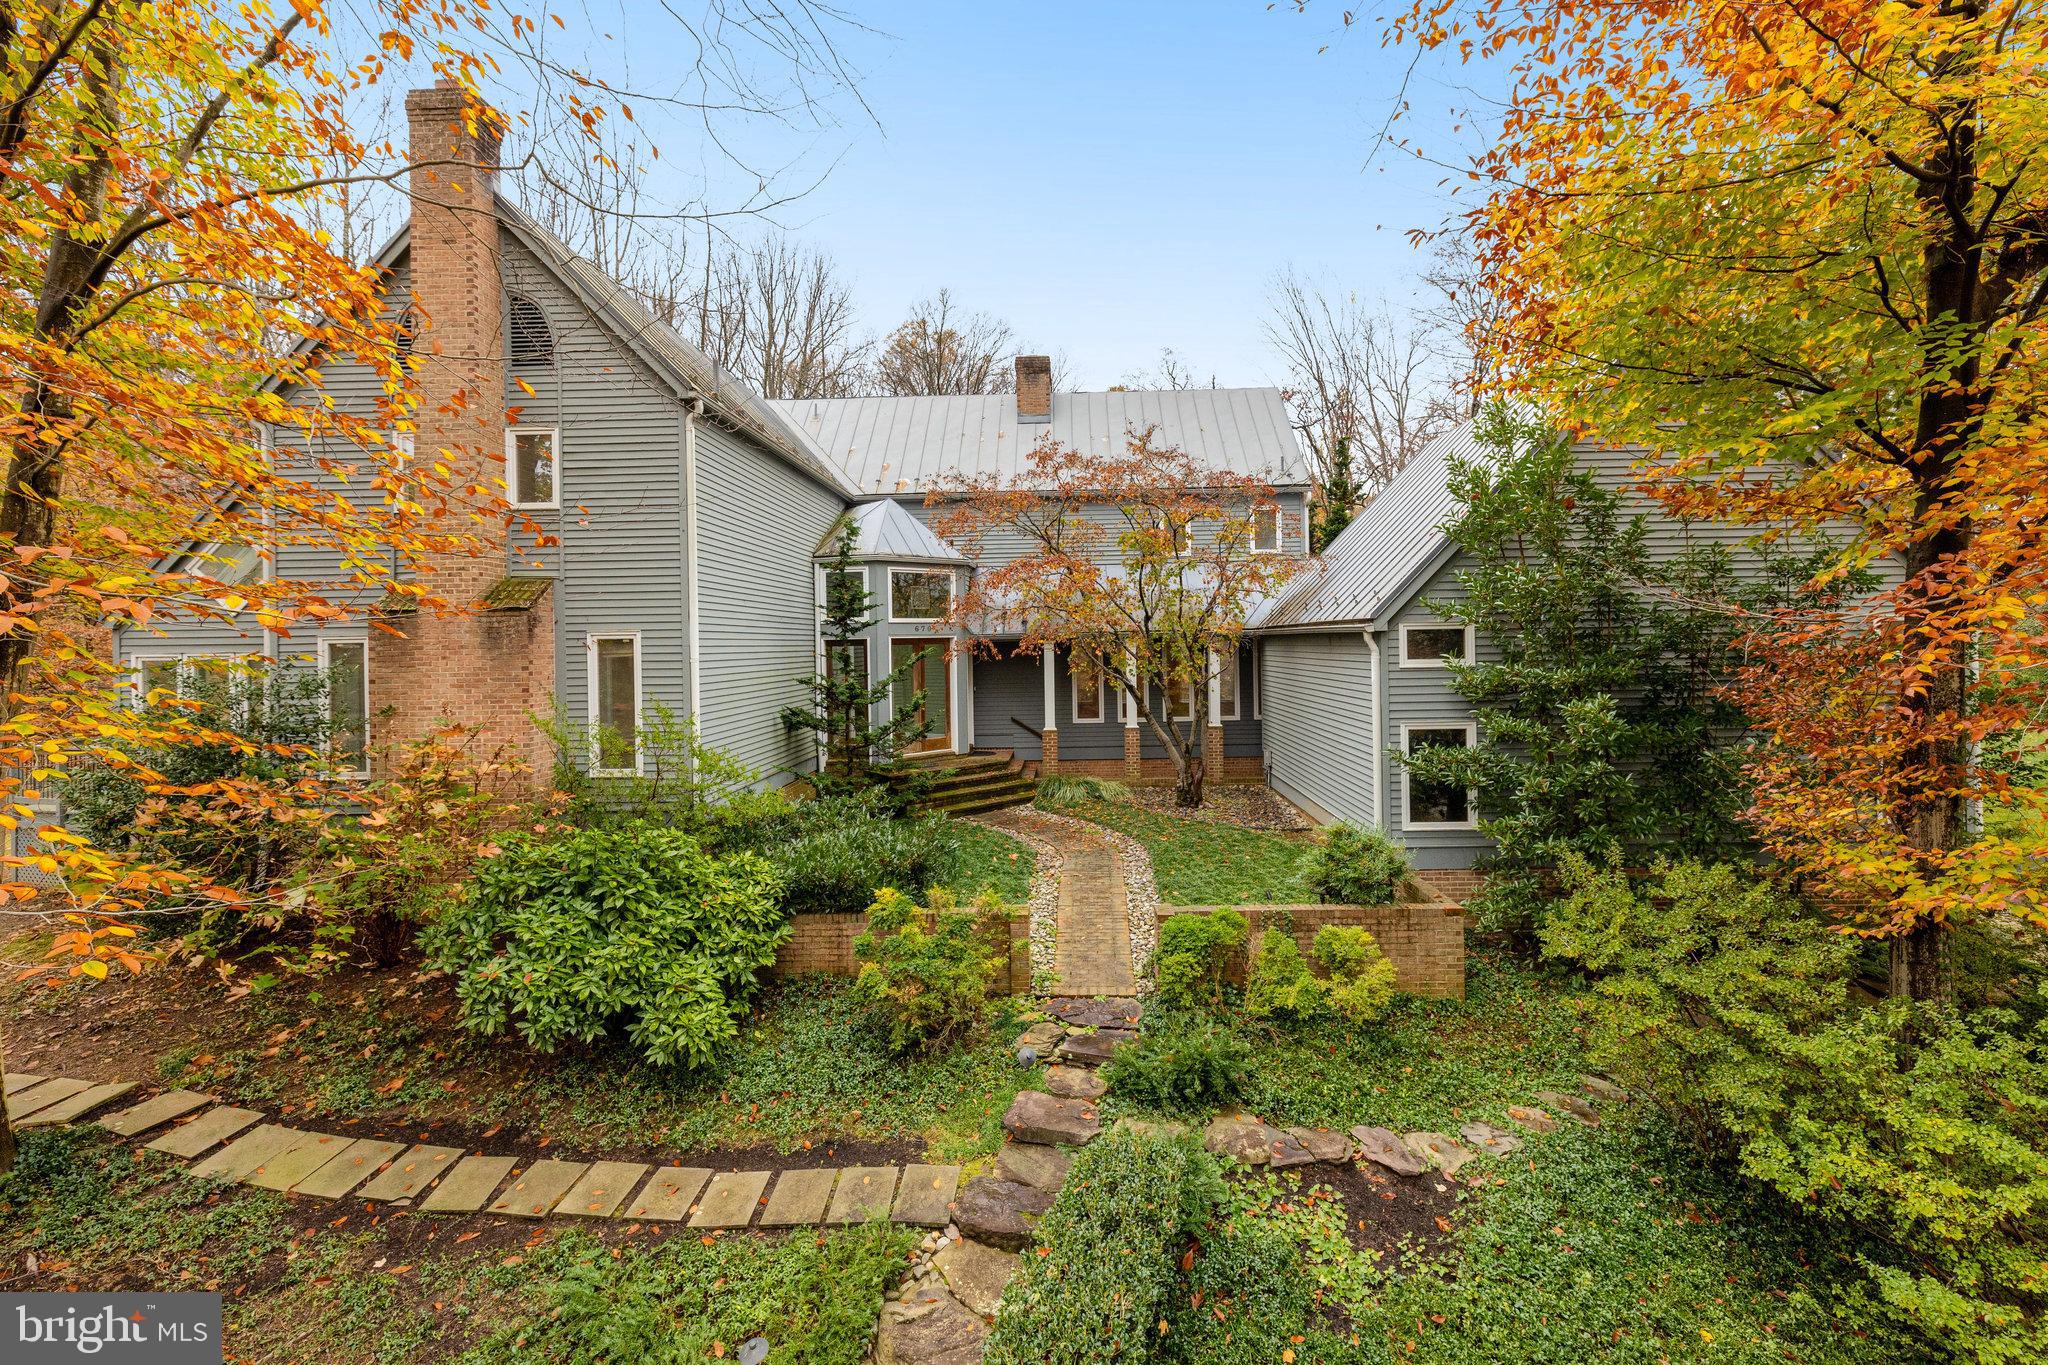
(883,530)
(898,445)
(1376,561)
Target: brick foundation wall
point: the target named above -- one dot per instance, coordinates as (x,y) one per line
(460,664)
(822,945)
(1456,883)
(1424,940)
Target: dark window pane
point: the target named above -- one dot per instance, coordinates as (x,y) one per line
(533,466)
(1431,803)
(1435,642)
(348,703)
(920,596)
(618,704)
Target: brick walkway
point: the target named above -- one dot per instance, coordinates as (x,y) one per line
(1092,952)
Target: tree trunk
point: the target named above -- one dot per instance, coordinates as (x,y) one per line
(1920,963)
(6,1126)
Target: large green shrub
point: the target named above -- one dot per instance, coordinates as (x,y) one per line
(838,852)
(1108,1269)
(1356,866)
(1182,1061)
(635,926)
(1927,1130)
(925,971)
(1187,967)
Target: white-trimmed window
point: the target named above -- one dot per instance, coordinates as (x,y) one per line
(1266,530)
(854,653)
(401,444)
(919,596)
(614,704)
(1155,694)
(159,673)
(533,462)
(1085,672)
(829,579)
(345,664)
(1426,644)
(1433,805)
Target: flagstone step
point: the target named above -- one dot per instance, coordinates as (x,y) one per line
(84,1103)
(154,1112)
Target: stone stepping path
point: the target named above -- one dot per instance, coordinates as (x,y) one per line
(235,1145)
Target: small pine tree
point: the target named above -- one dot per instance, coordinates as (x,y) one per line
(842,702)
(1338,498)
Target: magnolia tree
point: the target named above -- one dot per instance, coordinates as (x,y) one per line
(1796,247)
(1144,563)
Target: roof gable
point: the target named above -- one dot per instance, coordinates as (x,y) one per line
(884,530)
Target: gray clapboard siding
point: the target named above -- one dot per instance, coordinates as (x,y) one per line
(758,522)
(1003,546)
(1316,695)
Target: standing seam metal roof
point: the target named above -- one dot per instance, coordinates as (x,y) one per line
(883,530)
(1393,538)
(898,445)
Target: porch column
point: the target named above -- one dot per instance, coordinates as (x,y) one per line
(1132,764)
(1049,754)
(1212,736)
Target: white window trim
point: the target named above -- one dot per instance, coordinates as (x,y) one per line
(952,591)
(1101,716)
(1279,545)
(1124,705)
(138,669)
(403,444)
(326,672)
(1408,820)
(1229,659)
(554,435)
(1471,642)
(867,656)
(590,642)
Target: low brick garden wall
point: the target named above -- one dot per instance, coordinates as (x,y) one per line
(822,945)
(1425,940)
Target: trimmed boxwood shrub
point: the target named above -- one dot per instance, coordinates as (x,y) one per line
(1193,949)
(1109,1253)
(1356,866)
(925,970)
(633,926)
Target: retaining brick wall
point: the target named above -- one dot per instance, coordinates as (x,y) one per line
(1455,883)
(1424,940)
(822,945)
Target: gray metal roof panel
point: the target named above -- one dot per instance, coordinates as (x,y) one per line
(1393,536)
(883,530)
(898,445)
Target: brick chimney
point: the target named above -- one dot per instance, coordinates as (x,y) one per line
(1034,388)
(474,663)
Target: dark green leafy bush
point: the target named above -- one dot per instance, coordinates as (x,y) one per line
(671,777)
(837,853)
(1108,1272)
(925,971)
(1926,1129)
(1360,978)
(1183,1061)
(1280,985)
(1193,950)
(634,926)
(1356,866)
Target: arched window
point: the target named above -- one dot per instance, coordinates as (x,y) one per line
(532,342)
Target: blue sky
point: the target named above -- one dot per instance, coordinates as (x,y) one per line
(1110,178)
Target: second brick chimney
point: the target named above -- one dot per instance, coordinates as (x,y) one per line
(474,663)
(1034,388)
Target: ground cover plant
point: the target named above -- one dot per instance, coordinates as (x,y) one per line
(1206,862)
(990,860)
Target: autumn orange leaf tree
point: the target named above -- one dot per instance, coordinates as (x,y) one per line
(1799,250)
(1142,562)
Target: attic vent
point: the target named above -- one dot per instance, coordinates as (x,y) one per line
(532,342)
(406,331)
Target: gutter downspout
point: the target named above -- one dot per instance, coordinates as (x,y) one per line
(693,408)
(1379,733)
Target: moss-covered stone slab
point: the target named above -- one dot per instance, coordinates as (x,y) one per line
(86,1102)
(601,1189)
(43,1095)
(668,1194)
(728,1202)
(242,1156)
(154,1112)
(348,1168)
(798,1197)
(289,1167)
(15,1081)
(469,1186)
(411,1173)
(534,1192)
(925,1196)
(863,1192)
(212,1127)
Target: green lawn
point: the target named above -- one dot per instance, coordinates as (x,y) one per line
(990,859)
(1202,862)
(301,1284)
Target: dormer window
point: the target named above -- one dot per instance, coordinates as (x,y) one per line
(533,343)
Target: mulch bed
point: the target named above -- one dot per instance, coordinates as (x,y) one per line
(1248,806)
